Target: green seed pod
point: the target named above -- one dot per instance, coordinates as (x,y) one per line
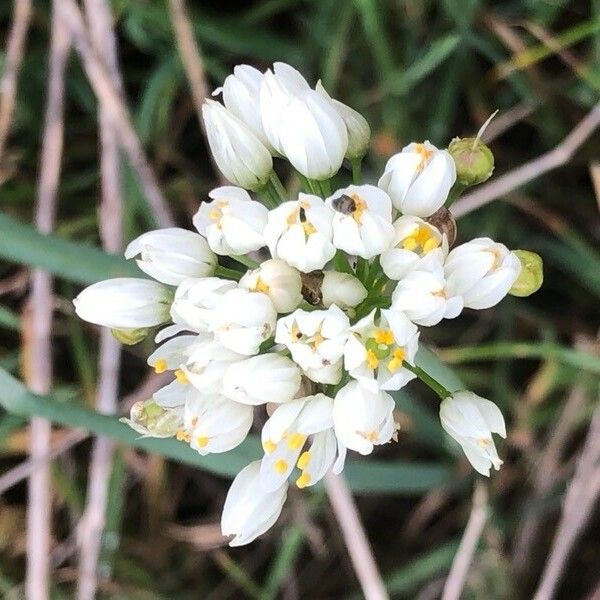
(532,274)
(150,419)
(130,337)
(473,159)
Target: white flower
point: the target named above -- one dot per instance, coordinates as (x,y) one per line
(300,233)
(279,281)
(342,289)
(172,255)
(423,297)
(316,340)
(243,320)
(239,154)
(301,124)
(262,379)
(363,419)
(375,354)
(359,132)
(481,271)
(471,420)
(285,435)
(249,510)
(171,396)
(413,240)
(418,179)
(362,221)
(172,354)
(241,96)
(195,300)
(124,303)
(232,223)
(215,423)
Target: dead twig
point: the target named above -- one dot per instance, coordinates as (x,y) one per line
(12,66)
(355,538)
(464,556)
(553,159)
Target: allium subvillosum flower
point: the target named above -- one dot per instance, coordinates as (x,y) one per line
(172,354)
(250,510)
(172,255)
(471,420)
(481,272)
(239,154)
(124,303)
(291,428)
(375,353)
(279,281)
(362,221)
(342,289)
(232,222)
(300,233)
(316,341)
(362,418)
(301,124)
(413,240)
(419,179)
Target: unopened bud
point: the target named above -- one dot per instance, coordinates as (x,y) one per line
(473,159)
(150,419)
(130,337)
(531,277)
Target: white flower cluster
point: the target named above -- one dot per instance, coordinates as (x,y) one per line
(324,329)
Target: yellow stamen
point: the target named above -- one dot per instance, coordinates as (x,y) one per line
(183,436)
(409,243)
(372,360)
(484,442)
(317,340)
(396,362)
(423,234)
(160,366)
(181,377)
(384,336)
(261,286)
(269,446)
(202,441)
(295,332)
(280,466)
(309,228)
(303,480)
(215,214)
(361,207)
(370,435)
(425,155)
(431,244)
(303,460)
(295,441)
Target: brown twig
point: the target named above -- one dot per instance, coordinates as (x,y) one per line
(115,106)
(355,538)
(466,550)
(37,344)
(12,65)
(560,155)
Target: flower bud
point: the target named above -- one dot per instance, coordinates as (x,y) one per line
(130,337)
(342,289)
(152,420)
(473,159)
(531,277)
(239,154)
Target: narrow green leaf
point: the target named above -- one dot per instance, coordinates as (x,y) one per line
(9,319)
(441,372)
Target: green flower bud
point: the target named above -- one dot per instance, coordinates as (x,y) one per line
(532,274)
(130,337)
(473,159)
(150,419)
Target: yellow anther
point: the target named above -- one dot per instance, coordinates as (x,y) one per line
(293,218)
(160,366)
(484,442)
(396,362)
(361,207)
(425,155)
(261,286)
(423,234)
(183,436)
(280,466)
(410,243)
(181,377)
(295,332)
(269,446)
(295,441)
(202,441)
(369,435)
(317,340)
(431,244)
(309,228)
(497,258)
(303,480)
(215,214)
(303,460)
(384,336)
(372,360)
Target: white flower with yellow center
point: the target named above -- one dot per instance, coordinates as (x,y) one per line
(423,297)
(316,341)
(413,240)
(286,434)
(362,418)
(375,354)
(232,223)
(172,255)
(300,233)
(279,281)
(243,320)
(419,179)
(249,510)
(482,272)
(172,354)
(262,379)
(471,420)
(362,221)
(215,423)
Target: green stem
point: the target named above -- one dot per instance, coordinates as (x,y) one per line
(307,184)
(245,260)
(279,187)
(221,271)
(270,200)
(428,380)
(325,187)
(356,171)
(454,195)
